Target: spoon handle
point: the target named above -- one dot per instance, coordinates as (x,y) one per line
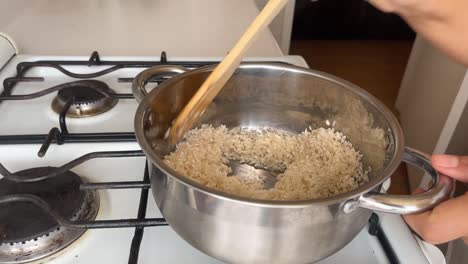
(223,71)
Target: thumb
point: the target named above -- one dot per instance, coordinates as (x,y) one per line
(452,166)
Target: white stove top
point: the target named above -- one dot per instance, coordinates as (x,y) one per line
(159,244)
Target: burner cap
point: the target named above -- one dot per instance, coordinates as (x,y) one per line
(26,232)
(89,97)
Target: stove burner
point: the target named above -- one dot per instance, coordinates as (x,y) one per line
(26,232)
(89,98)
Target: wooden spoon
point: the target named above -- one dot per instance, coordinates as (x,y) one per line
(221,74)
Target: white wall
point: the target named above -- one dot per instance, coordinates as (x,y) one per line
(429,87)
(281,26)
(183,28)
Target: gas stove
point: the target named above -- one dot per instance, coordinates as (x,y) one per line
(75,188)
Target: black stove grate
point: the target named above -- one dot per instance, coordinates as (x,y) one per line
(138,236)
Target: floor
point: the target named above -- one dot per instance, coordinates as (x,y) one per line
(376,66)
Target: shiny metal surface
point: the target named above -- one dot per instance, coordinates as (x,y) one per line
(404,204)
(86,98)
(139,84)
(240,230)
(246,171)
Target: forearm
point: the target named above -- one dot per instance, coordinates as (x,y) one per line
(445,25)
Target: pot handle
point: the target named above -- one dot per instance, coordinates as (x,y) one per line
(140,81)
(408,204)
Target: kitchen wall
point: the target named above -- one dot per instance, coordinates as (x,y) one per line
(281,26)
(429,88)
(7,49)
(210,27)
(458,142)
(459,253)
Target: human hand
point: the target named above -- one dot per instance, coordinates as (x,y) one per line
(416,8)
(449,220)
(396,6)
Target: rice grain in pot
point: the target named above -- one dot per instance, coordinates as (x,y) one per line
(314,164)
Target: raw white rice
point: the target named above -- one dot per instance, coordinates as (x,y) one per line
(316,163)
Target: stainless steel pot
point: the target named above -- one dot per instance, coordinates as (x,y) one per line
(240,230)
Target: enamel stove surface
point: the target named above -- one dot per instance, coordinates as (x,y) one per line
(159,244)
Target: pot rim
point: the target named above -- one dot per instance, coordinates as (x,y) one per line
(144,109)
